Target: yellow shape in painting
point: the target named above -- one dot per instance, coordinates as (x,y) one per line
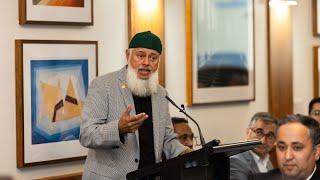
(70,109)
(58,108)
(51,95)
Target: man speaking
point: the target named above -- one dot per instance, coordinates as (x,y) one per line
(125,120)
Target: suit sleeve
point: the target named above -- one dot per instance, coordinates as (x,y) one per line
(96,131)
(172,146)
(238,169)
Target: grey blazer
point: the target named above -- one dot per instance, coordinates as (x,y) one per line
(109,158)
(243,164)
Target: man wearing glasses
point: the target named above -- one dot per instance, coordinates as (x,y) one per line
(297,149)
(183,131)
(314,108)
(262,126)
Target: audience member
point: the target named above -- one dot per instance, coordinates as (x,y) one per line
(314,108)
(297,148)
(183,130)
(262,126)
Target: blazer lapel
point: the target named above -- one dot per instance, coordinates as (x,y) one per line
(269,165)
(248,156)
(127,95)
(156,124)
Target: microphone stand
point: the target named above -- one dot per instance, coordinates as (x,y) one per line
(182,110)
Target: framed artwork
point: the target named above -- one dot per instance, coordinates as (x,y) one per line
(219,51)
(316,71)
(316,17)
(63,12)
(52,79)
(73,176)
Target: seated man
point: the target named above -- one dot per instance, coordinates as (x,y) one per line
(183,130)
(262,126)
(314,108)
(297,148)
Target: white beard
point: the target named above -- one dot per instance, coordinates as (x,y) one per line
(141,87)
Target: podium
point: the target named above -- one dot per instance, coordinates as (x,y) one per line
(207,163)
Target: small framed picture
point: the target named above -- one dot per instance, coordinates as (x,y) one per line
(52,79)
(63,12)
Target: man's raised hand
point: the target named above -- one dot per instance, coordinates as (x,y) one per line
(129,124)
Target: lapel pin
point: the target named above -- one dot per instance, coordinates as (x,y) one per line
(123,86)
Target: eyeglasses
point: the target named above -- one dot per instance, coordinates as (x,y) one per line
(260,134)
(185,137)
(315,112)
(195,140)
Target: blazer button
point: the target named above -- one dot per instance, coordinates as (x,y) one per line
(136,160)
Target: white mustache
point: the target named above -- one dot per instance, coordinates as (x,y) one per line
(145,69)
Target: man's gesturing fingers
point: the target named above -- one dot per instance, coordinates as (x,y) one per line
(129,124)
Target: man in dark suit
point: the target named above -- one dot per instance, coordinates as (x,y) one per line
(297,149)
(262,126)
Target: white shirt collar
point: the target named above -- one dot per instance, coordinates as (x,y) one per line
(261,162)
(314,170)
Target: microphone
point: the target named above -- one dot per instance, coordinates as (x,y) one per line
(182,110)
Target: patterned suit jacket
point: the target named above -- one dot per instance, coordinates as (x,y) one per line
(109,158)
(243,164)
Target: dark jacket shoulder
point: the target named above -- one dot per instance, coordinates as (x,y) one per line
(274,174)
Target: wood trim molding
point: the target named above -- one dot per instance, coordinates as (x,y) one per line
(315,71)
(280,76)
(188,13)
(72,176)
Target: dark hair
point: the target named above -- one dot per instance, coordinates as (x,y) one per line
(312,102)
(312,125)
(264,116)
(177,120)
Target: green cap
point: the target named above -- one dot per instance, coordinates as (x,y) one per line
(146,40)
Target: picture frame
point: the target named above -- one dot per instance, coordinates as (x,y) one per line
(316,71)
(53,12)
(52,80)
(219,51)
(316,17)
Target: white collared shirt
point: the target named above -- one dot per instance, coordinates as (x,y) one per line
(314,170)
(261,162)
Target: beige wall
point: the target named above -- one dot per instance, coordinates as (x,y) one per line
(223,121)
(110,29)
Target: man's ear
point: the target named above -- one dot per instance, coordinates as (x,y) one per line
(317,153)
(247,133)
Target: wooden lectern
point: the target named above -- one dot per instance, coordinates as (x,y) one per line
(207,163)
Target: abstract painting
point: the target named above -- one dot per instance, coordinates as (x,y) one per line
(70,3)
(56,12)
(58,89)
(220,53)
(52,80)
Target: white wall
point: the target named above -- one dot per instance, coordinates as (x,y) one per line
(110,29)
(223,121)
